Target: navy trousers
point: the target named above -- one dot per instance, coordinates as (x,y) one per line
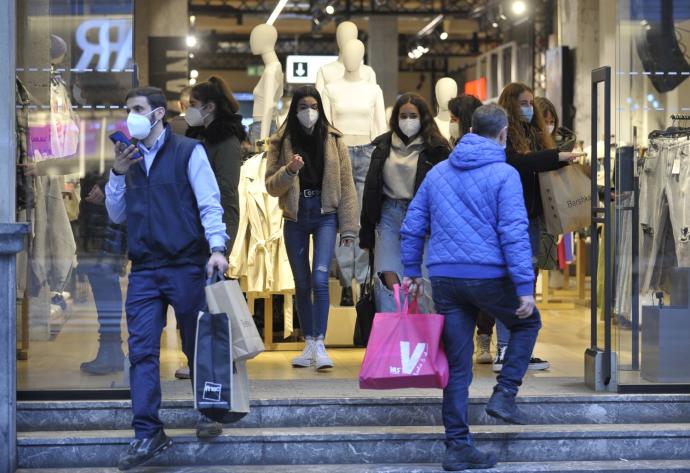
(149,294)
(460,300)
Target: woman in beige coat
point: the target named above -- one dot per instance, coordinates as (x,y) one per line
(308,168)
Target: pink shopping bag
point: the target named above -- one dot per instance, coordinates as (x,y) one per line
(405,350)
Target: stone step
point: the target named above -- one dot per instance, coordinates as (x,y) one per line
(364,445)
(391,411)
(620,466)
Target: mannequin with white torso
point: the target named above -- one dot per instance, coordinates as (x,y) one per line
(334,71)
(269,90)
(353,105)
(446,89)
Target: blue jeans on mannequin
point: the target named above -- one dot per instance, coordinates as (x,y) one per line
(535,225)
(312,311)
(460,300)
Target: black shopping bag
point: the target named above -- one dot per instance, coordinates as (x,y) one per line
(213,368)
(366,309)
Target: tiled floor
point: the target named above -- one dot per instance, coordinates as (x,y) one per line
(55,364)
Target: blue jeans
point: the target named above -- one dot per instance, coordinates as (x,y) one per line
(387,257)
(534,229)
(104,280)
(353,262)
(460,300)
(149,293)
(312,312)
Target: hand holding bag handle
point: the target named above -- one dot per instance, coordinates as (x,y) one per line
(217,276)
(407,308)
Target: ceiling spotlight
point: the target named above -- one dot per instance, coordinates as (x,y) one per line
(494,24)
(444,36)
(191,41)
(191,55)
(192,20)
(192,81)
(410,55)
(316,21)
(330,9)
(519,7)
(193,73)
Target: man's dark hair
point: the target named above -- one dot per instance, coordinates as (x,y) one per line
(154,96)
(489,120)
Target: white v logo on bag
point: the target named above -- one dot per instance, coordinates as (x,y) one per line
(408,362)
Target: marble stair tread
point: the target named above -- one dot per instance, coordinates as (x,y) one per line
(657,466)
(344,434)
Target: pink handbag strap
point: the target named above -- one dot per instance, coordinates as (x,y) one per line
(407,308)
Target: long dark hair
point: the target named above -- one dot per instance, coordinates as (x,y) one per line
(463,106)
(293,128)
(517,134)
(429,131)
(216,90)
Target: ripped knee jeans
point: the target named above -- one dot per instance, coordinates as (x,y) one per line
(311,279)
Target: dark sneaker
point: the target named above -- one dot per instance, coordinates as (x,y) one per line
(500,358)
(182,373)
(142,450)
(466,457)
(207,429)
(538,364)
(346,299)
(502,406)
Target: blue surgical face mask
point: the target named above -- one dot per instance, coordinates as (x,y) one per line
(527,112)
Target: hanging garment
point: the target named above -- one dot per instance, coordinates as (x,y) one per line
(54,248)
(259,251)
(54,134)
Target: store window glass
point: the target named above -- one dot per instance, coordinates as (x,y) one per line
(74,67)
(651,94)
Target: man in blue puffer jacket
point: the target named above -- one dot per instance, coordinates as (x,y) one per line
(479,259)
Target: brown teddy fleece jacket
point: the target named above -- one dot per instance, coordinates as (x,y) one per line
(338,193)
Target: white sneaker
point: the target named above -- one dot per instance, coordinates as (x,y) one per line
(322,359)
(484,350)
(500,357)
(306,358)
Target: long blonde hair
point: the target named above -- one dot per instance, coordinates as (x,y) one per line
(516,132)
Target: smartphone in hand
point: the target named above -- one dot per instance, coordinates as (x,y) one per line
(119,137)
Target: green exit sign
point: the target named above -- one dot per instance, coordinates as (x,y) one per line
(255,71)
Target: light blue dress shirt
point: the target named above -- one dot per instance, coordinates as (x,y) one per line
(203,183)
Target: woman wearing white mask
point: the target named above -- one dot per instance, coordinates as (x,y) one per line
(308,169)
(399,163)
(564,138)
(212,118)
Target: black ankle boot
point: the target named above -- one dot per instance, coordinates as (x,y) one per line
(346,297)
(109,359)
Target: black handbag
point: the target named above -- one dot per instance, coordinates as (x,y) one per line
(366,308)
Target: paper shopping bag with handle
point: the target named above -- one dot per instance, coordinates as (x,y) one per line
(566,195)
(225,296)
(405,350)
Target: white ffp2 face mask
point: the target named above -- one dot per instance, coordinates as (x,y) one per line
(454,129)
(308,117)
(410,126)
(193,116)
(139,126)
(550,129)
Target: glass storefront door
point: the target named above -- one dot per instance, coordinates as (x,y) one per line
(652,175)
(74,67)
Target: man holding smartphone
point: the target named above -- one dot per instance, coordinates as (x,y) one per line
(176,239)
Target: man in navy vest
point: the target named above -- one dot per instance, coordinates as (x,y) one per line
(165,189)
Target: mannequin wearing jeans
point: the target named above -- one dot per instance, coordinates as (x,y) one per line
(308,169)
(360,120)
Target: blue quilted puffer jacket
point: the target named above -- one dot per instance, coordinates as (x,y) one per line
(472,205)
